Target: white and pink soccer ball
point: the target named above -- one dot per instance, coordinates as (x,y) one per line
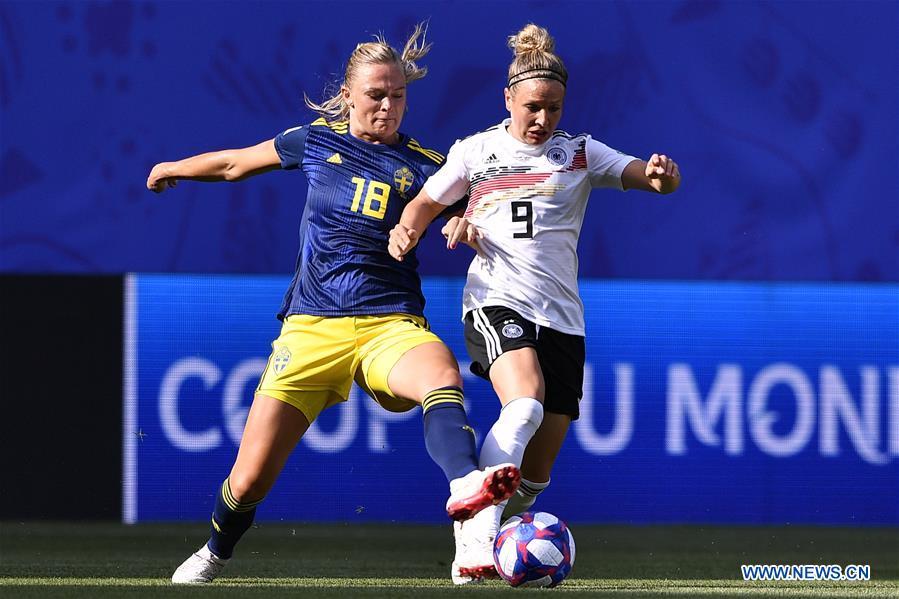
(534,549)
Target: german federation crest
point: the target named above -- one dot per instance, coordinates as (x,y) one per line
(557,156)
(512,331)
(403,179)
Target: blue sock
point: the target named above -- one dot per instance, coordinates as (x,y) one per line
(230,520)
(448,437)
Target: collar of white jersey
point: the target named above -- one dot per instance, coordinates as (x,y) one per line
(518,145)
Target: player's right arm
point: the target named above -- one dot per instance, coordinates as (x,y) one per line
(224,165)
(442,189)
(417,215)
(420,213)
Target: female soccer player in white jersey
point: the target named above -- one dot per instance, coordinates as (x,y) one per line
(352,312)
(527,185)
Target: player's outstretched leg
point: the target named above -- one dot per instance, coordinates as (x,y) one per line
(481,489)
(450,443)
(505,444)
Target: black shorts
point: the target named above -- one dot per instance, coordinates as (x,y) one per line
(492,330)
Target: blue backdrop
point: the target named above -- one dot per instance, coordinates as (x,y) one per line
(784,117)
(704,402)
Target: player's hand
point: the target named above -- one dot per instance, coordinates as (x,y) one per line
(459,229)
(159,179)
(663,174)
(401,241)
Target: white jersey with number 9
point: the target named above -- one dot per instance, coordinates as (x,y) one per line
(528,203)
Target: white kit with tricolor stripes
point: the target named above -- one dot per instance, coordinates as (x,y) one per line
(528,202)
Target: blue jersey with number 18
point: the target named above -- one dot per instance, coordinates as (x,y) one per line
(357,192)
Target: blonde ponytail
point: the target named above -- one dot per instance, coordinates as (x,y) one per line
(335,108)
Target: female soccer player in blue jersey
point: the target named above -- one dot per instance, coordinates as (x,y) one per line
(351,312)
(528,186)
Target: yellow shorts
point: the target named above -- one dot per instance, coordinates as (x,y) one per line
(315,359)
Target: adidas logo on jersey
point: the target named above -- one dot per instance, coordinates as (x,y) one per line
(335,159)
(492,159)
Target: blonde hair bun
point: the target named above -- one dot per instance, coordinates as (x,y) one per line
(532,38)
(535,57)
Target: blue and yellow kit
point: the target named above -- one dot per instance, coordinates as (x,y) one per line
(357,192)
(351,311)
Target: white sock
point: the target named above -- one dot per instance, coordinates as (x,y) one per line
(523,498)
(506,441)
(517,423)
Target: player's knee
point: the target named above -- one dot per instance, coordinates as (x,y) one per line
(533,415)
(450,377)
(440,378)
(523,413)
(247,488)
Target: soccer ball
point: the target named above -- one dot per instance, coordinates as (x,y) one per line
(534,549)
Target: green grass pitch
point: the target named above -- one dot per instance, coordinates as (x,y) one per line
(51,560)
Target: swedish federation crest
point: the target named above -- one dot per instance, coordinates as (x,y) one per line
(280,360)
(403,179)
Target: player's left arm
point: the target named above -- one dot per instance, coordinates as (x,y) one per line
(659,174)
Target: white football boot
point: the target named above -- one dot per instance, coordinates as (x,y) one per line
(474,555)
(200,568)
(479,488)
